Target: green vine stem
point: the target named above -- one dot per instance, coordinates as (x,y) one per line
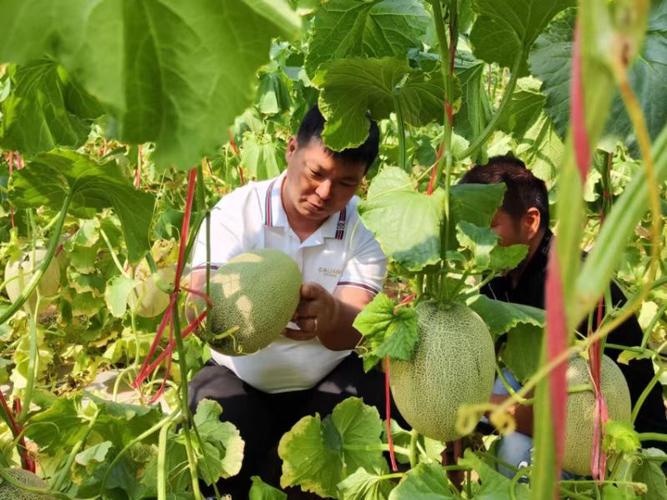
(39,272)
(33,366)
(162,462)
(168,420)
(402,152)
(413,448)
(647,390)
(187,424)
(493,122)
(59,479)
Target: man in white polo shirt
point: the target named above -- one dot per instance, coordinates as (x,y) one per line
(310,213)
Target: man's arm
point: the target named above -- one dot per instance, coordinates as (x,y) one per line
(329,316)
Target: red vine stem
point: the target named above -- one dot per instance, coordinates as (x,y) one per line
(387,411)
(434,171)
(147,366)
(582,148)
(26,460)
(598,458)
(556,337)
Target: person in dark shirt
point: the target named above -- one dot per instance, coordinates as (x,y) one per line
(523,218)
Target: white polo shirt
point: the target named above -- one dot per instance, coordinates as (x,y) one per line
(341,252)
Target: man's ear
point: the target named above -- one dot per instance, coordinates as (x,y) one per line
(531,222)
(292,146)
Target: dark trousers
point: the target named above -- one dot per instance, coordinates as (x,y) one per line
(263,418)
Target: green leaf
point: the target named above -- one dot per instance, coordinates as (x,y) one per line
(222,442)
(521,352)
(506,258)
(261,156)
(262,491)
(475,109)
(273,93)
(96,453)
(116,294)
(362,485)
(524,108)
(387,331)
(479,240)
(372,29)
(50,176)
(390,210)
(650,473)
(352,87)
(42,111)
(505,28)
(476,203)
(493,484)
(550,61)
(175,73)
(426,481)
(318,454)
(502,317)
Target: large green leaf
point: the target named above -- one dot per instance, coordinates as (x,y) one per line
(650,473)
(502,317)
(262,491)
(318,454)
(222,443)
(506,28)
(362,485)
(352,87)
(476,203)
(492,484)
(427,481)
(50,176)
(168,71)
(387,331)
(45,109)
(377,28)
(261,156)
(391,211)
(475,109)
(550,60)
(524,108)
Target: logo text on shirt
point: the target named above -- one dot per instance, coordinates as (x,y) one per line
(330,271)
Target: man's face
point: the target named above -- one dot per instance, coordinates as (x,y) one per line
(509,230)
(317,184)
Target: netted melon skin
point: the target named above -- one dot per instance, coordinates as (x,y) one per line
(258,292)
(453,364)
(580,424)
(9,492)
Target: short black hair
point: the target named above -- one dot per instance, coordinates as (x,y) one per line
(524,190)
(312,126)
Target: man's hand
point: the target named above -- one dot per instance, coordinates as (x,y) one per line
(316,314)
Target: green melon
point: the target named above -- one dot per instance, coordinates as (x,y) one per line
(257,292)
(19,272)
(27,478)
(581,410)
(453,364)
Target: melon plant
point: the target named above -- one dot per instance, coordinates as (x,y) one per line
(581,410)
(254,296)
(10,492)
(453,364)
(19,272)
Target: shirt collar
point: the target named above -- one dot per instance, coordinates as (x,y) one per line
(275,216)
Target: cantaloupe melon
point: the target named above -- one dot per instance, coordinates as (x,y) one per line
(453,364)
(19,272)
(27,478)
(581,410)
(256,292)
